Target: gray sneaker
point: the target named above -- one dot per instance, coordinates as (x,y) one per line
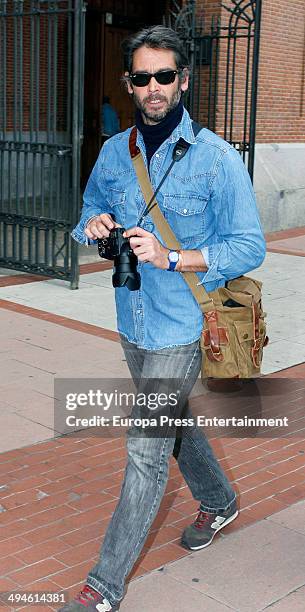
(201,533)
(89,600)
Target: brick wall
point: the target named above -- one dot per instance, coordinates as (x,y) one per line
(281,91)
(36,84)
(207,9)
(281,101)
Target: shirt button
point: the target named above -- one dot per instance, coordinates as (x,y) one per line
(139,311)
(157,155)
(185,210)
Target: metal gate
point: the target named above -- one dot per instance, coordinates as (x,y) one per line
(41,110)
(224,69)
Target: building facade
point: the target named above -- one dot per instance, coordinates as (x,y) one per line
(60,58)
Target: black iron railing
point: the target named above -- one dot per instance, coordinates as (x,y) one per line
(41,58)
(224,59)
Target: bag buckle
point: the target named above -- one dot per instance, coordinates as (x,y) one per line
(215,355)
(255,351)
(212,338)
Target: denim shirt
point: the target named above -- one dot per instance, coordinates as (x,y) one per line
(209,202)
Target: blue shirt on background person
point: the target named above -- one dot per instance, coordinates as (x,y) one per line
(209,202)
(110,120)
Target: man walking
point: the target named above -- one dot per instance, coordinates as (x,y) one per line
(209,203)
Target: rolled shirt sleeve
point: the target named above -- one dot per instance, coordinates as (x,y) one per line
(205,254)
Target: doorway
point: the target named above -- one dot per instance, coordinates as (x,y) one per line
(106,28)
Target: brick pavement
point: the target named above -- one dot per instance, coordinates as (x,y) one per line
(288,242)
(56,497)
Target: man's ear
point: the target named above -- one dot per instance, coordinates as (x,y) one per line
(184,79)
(127,83)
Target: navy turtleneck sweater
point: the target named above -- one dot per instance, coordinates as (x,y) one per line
(154,135)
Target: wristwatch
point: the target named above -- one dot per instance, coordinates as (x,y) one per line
(173,258)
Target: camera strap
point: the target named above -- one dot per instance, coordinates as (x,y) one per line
(201,295)
(180,149)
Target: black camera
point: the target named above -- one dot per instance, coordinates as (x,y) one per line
(117,247)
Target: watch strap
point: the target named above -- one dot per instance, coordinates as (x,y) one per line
(172,264)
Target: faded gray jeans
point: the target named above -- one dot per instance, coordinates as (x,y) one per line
(146,471)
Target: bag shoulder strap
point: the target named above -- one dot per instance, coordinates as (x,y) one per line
(200,294)
(196,128)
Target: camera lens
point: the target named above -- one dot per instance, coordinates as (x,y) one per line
(125,272)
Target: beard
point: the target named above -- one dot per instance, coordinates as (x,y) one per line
(155,116)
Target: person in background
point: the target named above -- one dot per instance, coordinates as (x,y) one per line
(110,120)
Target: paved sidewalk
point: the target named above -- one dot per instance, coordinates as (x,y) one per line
(258,568)
(56,495)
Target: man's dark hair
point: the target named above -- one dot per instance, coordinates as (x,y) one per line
(155,37)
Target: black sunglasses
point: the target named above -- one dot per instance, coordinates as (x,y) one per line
(163,77)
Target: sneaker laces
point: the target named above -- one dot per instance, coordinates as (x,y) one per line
(87,595)
(202,519)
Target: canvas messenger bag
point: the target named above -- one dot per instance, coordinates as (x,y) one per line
(234,328)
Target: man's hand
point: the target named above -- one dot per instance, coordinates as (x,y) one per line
(147,247)
(100,226)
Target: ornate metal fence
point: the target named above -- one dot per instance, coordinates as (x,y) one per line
(41,58)
(224,69)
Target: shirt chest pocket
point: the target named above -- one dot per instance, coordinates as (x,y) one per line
(117,202)
(185,215)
